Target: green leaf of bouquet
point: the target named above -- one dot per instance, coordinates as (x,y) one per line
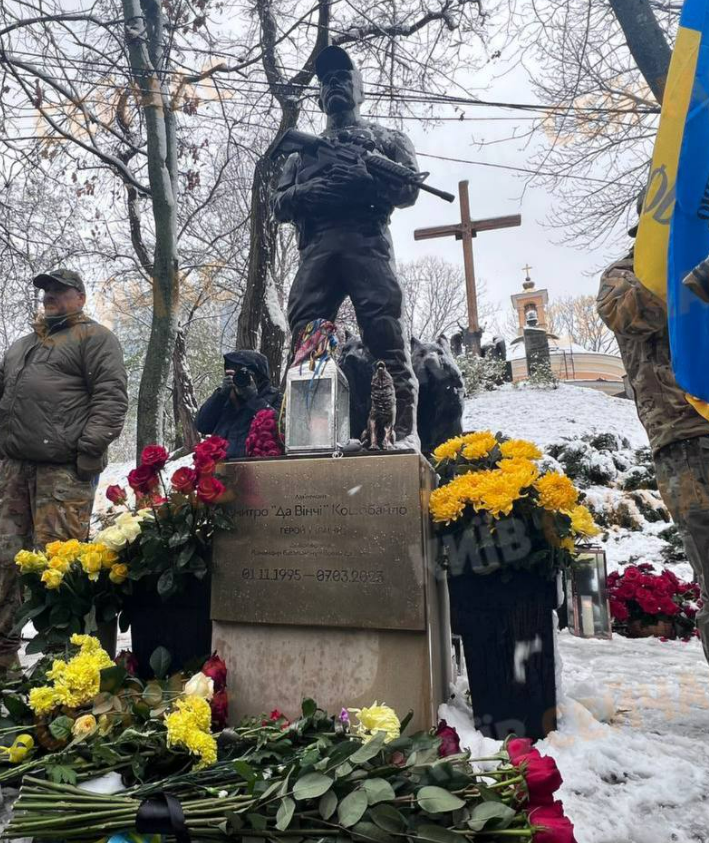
(16,707)
(436,834)
(161,659)
(166,583)
(311,785)
(60,727)
(342,751)
(370,833)
(389,819)
(257,821)
(495,814)
(112,678)
(285,812)
(351,809)
(184,556)
(437,800)
(370,749)
(61,774)
(309,707)
(36,645)
(488,795)
(152,694)
(328,804)
(378,790)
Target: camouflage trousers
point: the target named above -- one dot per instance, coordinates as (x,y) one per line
(683,480)
(39,503)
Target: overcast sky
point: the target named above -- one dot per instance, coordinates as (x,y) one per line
(499,255)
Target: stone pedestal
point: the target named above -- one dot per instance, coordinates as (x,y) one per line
(327,587)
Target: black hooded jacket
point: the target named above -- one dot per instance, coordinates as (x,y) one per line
(219,416)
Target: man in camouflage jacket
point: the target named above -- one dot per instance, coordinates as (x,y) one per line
(63,400)
(679,435)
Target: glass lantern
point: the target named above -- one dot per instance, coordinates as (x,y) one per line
(317,408)
(589,613)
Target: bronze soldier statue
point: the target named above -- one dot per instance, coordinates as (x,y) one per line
(342,212)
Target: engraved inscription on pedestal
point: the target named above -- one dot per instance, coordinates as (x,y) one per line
(324,542)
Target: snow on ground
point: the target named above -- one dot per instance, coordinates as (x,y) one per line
(544,415)
(636,770)
(633,737)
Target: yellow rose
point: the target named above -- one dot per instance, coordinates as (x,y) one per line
(84,726)
(56,563)
(70,550)
(29,562)
(378,718)
(109,557)
(52,578)
(92,563)
(118,574)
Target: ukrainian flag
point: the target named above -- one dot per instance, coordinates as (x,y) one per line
(673,236)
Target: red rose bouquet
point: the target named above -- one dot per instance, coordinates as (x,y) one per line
(168,534)
(263,439)
(640,597)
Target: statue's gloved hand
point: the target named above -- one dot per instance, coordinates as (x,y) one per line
(319,192)
(351,175)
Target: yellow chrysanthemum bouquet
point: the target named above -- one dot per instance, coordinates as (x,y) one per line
(497,507)
(70,587)
(86,711)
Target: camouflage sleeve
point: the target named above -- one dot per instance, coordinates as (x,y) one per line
(105,375)
(284,200)
(627,307)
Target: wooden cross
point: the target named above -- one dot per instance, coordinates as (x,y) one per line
(466,230)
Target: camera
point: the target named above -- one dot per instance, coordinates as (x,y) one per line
(242,377)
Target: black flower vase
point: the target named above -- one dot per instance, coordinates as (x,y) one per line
(505,620)
(181,624)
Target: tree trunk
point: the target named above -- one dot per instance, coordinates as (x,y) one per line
(145,37)
(646,41)
(185,401)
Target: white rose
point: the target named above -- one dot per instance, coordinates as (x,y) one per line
(130,531)
(125,518)
(200,686)
(113,538)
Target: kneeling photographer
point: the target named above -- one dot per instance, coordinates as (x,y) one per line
(245,390)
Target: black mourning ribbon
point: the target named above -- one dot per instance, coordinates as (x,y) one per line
(162,814)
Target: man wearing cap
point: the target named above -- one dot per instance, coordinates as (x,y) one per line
(342,216)
(678,434)
(63,400)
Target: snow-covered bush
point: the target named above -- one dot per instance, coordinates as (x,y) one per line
(481,374)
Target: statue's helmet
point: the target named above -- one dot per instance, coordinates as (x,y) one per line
(335,58)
